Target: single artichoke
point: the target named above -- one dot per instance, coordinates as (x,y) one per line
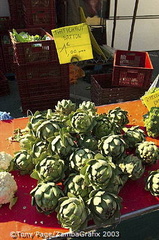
(88,106)
(103,126)
(23,162)
(47,129)
(119,116)
(132,136)
(45,197)
(97,172)
(76,185)
(72,212)
(82,122)
(39,148)
(113,146)
(63,144)
(152,183)
(35,121)
(78,158)
(65,107)
(104,207)
(50,169)
(131,166)
(148,152)
(87,141)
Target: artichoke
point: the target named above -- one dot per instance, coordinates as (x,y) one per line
(27,141)
(97,172)
(82,122)
(72,212)
(76,185)
(78,158)
(63,144)
(148,152)
(152,183)
(104,207)
(88,106)
(103,126)
(47,129)
(36,120)
(39,148)
(131,166)
(45,197)
(87,141)
(50,168)
(65,107)
(113,146)
(23,162)
(119,116)
(132,136)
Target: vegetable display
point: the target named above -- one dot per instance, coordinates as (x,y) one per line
(26,37)
(81,160)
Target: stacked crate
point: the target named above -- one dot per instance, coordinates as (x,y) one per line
(4,86)
(132,68)
(6,52)
(129,79)
(2,65)
(16,13)
(40,13)
(42,81)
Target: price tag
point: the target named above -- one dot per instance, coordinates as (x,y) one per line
(73,43)
(151,100)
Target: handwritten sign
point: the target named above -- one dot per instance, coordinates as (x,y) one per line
(73,43)
(151,100)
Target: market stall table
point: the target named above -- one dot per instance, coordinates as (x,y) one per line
(23,220)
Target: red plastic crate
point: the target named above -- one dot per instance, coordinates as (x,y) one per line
(41,104)
(4,85)
(43,87)
(7,50)
(28,72)
(132,68)
(16,13)
(38,51)
(36,4)
(40,13)
(102,91)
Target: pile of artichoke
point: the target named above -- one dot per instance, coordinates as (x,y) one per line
(81,160)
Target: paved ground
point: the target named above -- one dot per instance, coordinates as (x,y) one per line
(78,92)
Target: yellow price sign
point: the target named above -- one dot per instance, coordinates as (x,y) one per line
(73,43)
(151,100)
